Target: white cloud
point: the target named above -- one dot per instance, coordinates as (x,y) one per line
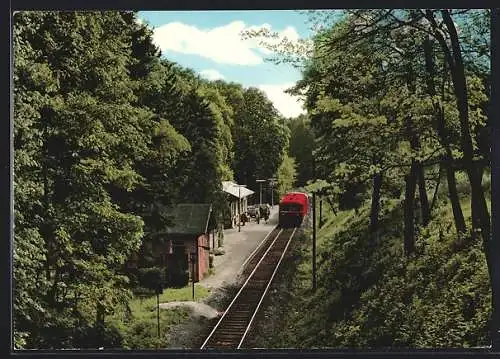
(287,105)
(211,75)
(223,44)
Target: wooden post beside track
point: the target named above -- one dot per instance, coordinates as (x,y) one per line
(314,243)
(314,232)
(320,212)
(193,256)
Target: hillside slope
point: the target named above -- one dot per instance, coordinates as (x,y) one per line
(375,297)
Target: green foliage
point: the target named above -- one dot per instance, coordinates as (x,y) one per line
(107,137)
(301,147)
(286,175)
(89,135)
(260,139)
(374,297)
(152,278)
(143,334)
(137,322)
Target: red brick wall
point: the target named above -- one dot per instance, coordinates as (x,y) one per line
(203,255)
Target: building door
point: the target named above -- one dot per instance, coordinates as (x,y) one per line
(177,265)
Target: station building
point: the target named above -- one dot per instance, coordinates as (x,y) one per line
(186,240)
(190,234)
(234,194)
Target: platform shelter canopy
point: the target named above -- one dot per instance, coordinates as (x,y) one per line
(233,189)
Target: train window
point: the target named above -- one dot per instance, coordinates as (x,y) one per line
(290,207)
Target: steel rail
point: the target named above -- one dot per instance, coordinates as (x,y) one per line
(239,292)
(265,290)
(250,257)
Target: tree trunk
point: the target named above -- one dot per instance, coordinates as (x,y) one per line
(418,171)
(52,292)
(332,206)
(443,138)
(480,214)
(411,178)
(458,215)
(409,211)
(493,243)
(411,186)
(424,201)
(434,196)
(46,226)
(99,324)
(375,207)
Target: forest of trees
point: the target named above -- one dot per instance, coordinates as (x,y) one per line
(398,104)
(107,135)
(411,105)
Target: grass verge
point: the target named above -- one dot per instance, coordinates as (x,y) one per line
(136,325)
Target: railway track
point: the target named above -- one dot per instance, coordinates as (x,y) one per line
(232,328)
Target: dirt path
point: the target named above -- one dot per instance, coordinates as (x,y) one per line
(198,309)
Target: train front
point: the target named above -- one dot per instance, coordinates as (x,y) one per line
(292,209)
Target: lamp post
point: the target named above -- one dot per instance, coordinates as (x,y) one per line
(239,205)
(271,183)
(193,263)
(260,181)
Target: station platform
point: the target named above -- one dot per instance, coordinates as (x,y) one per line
(238,246)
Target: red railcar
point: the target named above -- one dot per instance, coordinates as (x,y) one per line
(293,207)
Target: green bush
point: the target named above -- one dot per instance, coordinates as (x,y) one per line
(152,278)
(143,334)
(178,279)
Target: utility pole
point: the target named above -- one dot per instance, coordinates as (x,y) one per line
(260,182)
(314,232)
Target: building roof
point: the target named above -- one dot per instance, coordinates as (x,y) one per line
(189,218)
(233,189)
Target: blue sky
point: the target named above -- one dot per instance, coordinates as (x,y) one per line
(209,42)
